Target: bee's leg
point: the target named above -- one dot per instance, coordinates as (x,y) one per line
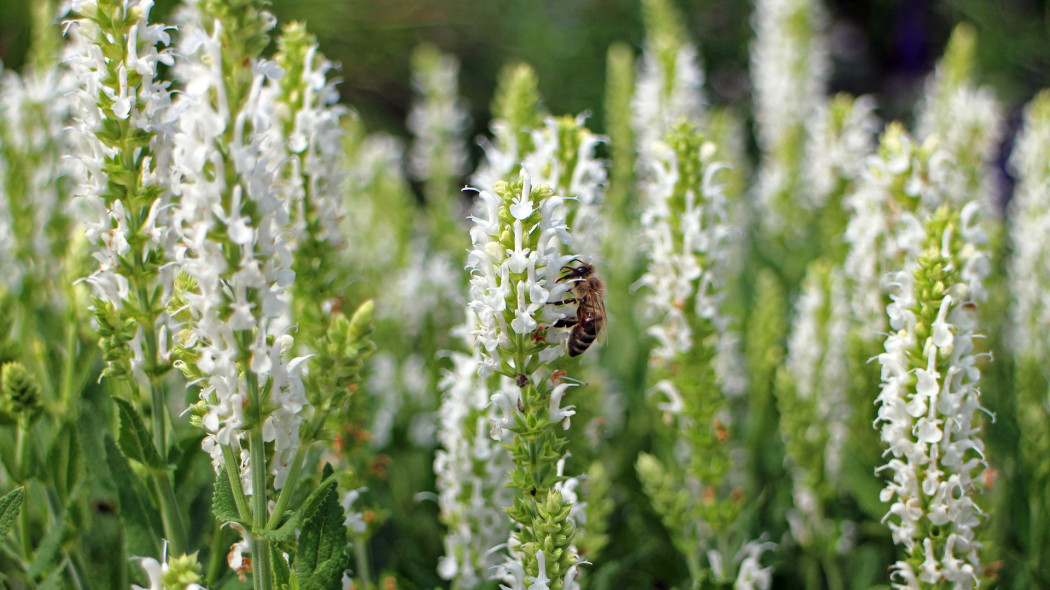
(564,301)
(566,322)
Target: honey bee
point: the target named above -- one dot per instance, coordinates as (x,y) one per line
(589,291)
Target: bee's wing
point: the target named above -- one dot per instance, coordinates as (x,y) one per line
(599,306)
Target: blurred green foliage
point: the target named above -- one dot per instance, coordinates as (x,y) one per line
(882,47)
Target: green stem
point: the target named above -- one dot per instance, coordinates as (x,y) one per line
(364,574)
(285,496)
(262,573)
(832,575)
(65,394)
(21,463)
(170,516)
(215,560)
(231,463)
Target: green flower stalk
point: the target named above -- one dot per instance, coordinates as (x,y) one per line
(472,471)
(968,121)
(814,418)
(123,129)
(234,220)
(928,407)
(695,492)
(34,179)
(516,111)
(619,88)
(438,158)
(307,106)
(669,83)
(1028,341)
(789,66)
(520,286)
(564,159)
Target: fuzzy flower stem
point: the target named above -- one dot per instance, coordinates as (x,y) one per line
(230,462)
(311,433)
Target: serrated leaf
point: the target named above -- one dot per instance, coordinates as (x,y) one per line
(135,440)
(137,515)
(323,552)
(10,505)
(281,572)
(223,505)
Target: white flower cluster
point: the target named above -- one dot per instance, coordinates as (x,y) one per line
(1030,222)
(492,262)
(789,66)
(234,228)
(817,363)
(686,257)
(34,114)
(471,471)
(513,574)
(106,94)
(438,121)
(663,98)
(882,229)
(579,175)
(315,140)
(839,143)
(928,408)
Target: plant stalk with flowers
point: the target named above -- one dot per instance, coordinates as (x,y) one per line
(123,125)
(928,408)
(694,489)
(517,259)
(235,224)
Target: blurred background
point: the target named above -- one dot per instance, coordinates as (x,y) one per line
(879,47)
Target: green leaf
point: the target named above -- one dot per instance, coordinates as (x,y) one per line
(48,550)
(65,460)
(10,505)
(135,440)
(285,531)
(53,581)
(281,572)
(223,505)
(139,517)
(323,553)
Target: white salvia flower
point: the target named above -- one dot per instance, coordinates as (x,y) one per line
(902,184)
(927,413)
(313,132)
(34,113)
(563,142)
(249,217)
(839,143)
(751,575)
(471,469)
(491,263)
(814,412)
(789,68)
(353,519)
(670,80)
(1030,224)
(438,119)
(374,172)
(132,136)
(683,273)
(662,98)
